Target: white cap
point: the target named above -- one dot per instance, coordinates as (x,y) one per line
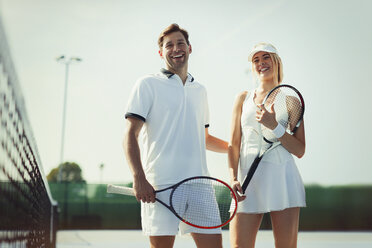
(262,47)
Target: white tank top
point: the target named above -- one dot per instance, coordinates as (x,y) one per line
(250,126)
(251,139)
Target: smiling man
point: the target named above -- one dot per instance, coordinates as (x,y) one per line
(172,109)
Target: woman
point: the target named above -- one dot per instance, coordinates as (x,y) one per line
(276,187)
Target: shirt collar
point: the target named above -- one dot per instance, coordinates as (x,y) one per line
(170,74)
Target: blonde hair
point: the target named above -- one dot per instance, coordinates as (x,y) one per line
(277,68)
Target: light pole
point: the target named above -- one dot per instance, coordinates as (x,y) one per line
(66,61)
(101,166)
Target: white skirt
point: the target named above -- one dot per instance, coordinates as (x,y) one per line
(276,184)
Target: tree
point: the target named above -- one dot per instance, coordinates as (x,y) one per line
(71,172)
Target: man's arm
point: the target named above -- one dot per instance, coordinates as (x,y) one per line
(215,144)
(142,188)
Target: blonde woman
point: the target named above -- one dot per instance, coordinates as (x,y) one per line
(276,187)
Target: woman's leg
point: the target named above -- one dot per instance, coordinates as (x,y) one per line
(243,230)
(285,227)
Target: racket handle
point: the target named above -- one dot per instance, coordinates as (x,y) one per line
(251,172)
(119,190)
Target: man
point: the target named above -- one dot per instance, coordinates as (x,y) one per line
(173,109)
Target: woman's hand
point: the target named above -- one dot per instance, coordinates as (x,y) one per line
(295,143)
(266,117)
(235,185)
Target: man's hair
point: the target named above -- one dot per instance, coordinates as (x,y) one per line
(171,29)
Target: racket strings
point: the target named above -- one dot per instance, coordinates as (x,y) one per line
(202,202)
(288,109)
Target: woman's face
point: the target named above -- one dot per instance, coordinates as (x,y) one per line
(263,66)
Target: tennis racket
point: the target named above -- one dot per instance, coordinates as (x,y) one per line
(202,202)
(289,109)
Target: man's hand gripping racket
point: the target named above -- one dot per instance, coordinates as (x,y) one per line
(202,202)
(287,103)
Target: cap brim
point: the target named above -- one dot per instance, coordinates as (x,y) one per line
(261,49)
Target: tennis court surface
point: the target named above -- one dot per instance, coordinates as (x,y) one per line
(135,239)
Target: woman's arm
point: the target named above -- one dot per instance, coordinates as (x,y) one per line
(234,145)
(295,143)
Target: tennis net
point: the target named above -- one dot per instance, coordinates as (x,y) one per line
(28,214)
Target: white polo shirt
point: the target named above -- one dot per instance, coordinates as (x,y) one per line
(175,117)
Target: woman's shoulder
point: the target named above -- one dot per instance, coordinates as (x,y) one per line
(239,99)
(241,96)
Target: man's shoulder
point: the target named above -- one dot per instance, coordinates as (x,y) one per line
(197,84)
(152,76)
(151,79)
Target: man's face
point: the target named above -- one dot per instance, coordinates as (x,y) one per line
(175,51)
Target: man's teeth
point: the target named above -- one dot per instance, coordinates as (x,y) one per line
(177,56)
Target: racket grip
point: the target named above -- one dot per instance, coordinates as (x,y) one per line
(119,190)
(251,172)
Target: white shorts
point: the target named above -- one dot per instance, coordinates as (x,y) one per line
(157,220)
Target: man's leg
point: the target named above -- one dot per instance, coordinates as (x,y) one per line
(207,240)
(158,223)
(162,241)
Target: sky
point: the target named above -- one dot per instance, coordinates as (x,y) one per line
(324,45)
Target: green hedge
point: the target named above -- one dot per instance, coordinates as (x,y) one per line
(88,206)
(337,208)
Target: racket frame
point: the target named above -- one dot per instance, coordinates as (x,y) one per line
(130,191)
(259,156)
